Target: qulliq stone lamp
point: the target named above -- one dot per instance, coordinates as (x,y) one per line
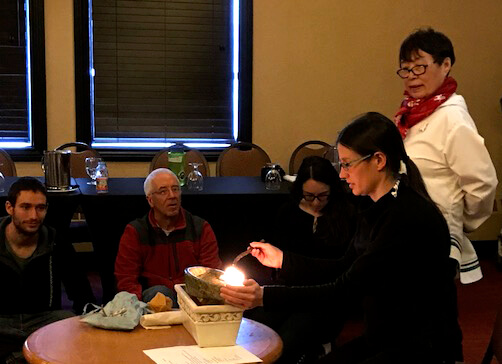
(208,319)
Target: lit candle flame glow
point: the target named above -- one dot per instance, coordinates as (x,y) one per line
(233,277)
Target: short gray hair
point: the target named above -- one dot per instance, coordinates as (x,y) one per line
(147,186)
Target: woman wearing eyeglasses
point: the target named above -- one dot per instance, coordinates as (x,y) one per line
(317,222)
(397,264)
(441,138)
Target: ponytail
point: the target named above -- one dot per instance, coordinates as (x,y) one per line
(414,179)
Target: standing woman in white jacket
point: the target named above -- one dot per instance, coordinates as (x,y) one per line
(441,138)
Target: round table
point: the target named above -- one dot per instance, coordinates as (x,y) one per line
(74,342)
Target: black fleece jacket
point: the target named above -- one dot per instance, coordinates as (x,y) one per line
(397,266)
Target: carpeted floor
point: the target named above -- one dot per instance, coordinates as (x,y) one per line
(478,303)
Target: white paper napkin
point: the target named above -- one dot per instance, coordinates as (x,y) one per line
(162,320)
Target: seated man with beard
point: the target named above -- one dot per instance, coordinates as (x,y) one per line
(31,270)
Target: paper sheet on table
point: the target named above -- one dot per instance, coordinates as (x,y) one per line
(162,320)
(195,355)
(290,178)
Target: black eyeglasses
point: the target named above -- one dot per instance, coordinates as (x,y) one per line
(417,70)
(321,197)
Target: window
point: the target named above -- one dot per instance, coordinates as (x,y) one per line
(23,131)
(151,73)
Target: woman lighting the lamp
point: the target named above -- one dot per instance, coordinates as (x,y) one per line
(397,264)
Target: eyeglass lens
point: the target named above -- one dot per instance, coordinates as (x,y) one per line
(416,70)
(311,198)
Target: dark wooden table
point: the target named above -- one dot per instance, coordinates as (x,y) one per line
(75,342)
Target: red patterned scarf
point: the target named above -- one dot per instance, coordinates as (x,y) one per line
(414,110)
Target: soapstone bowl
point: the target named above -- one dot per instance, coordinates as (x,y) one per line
(204,284)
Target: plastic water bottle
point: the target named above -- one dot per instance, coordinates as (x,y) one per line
(176,161)
(101,178)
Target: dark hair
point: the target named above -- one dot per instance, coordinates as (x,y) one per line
(338,207)
(428,40)
(372,132)
(320,170)
(25,184)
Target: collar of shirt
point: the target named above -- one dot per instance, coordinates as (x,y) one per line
(179,224)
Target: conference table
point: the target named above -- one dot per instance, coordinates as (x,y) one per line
(75,342)
(239,209)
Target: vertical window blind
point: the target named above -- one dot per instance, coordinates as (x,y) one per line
(162,70)
(14,123)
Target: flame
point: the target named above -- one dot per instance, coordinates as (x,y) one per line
(233,277)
